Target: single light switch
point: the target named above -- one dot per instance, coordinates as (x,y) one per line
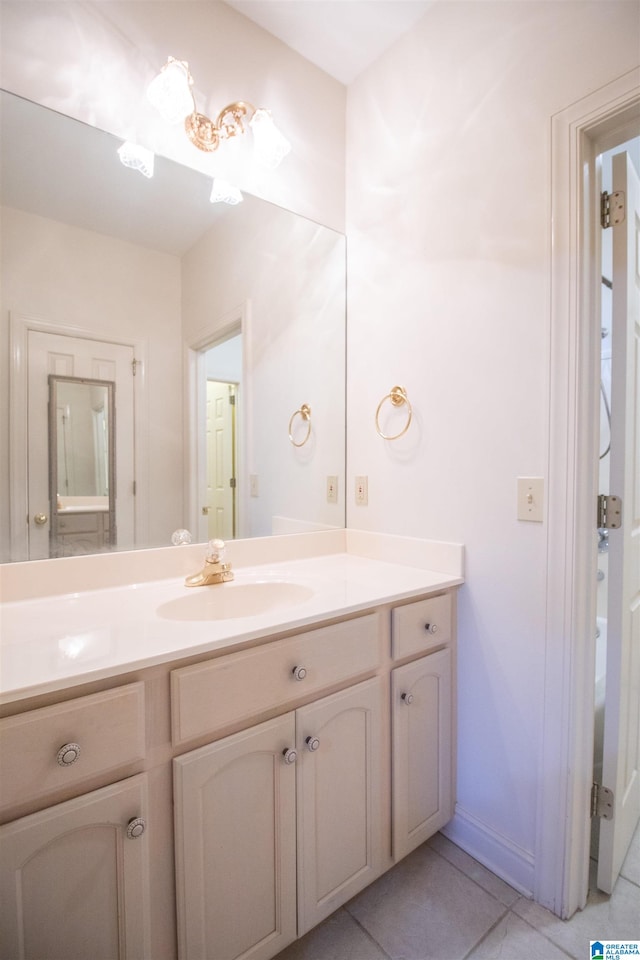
(531,498)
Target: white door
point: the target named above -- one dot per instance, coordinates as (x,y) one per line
(235,845)
(422,748)
(621,754)
(72,884)
(67,356)
(221,457)
(340,762)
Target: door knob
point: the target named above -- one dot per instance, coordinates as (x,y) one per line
(136,827)
(40,519)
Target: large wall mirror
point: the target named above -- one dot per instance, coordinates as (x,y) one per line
(221,329)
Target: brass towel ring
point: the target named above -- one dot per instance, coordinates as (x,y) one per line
(305,413)
(397,396)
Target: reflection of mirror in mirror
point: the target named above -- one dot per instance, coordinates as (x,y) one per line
(82,420)
(81,466)
(151,271)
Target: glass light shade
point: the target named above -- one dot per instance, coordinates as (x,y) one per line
(138,158)
(170,92)
(224,192)
(269,145)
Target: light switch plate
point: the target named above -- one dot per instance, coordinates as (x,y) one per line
(531,498)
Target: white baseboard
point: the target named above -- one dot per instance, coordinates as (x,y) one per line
(506,859)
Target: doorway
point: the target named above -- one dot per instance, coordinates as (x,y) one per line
(217,433)
(579,134)
(40,351)
(221,425)
(617,729)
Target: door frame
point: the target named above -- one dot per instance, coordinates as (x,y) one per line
(19,328)
(227,325)
(578,135)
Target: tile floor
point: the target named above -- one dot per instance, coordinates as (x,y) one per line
(440,904)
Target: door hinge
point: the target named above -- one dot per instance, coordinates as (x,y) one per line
(232,399)
(232,482)
(612,208)
(134,366)
(135,487)
(601,801)
(609,511)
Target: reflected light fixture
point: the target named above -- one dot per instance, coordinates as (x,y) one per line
(224,192)
(171,93)
(138,158)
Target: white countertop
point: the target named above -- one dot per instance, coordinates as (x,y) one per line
(54,642)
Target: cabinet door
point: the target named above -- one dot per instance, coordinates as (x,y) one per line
(72,884)
(340,822)
(235,845)
(422,750)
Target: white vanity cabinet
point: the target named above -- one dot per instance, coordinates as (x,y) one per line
(74,879)
(235,827)
(278,825)
(74,875)
(277,777)
(422,722)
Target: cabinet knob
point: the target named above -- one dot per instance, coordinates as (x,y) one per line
(312,743)
(136,827)
(299,673)
(40,519)
(290,756)
(407,698)
(431,627)
(68,754)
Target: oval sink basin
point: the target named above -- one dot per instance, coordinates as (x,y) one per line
(229,601)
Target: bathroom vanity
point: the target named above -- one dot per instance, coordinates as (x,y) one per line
(224,787)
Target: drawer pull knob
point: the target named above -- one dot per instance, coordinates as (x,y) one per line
(299,673)
(290,756)
(407,698)
(68,754)
(136,827)
(431,627)
(312,743)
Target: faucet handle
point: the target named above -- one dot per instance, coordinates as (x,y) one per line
(216,551)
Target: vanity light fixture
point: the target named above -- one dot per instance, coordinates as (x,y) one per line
(138,158)
(171,93)
(224,192)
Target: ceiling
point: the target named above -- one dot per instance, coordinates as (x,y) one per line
(342,37)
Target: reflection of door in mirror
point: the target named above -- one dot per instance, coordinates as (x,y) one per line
(219,438)
(67,356)
(81,466)
(221,459)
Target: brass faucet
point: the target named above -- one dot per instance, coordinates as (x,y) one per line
(215,569)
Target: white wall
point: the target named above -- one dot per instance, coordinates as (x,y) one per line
(94,61)
(448,225)
(71,277)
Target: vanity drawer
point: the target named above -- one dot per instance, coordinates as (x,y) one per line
(208,696)
(108,727)
(417,627)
